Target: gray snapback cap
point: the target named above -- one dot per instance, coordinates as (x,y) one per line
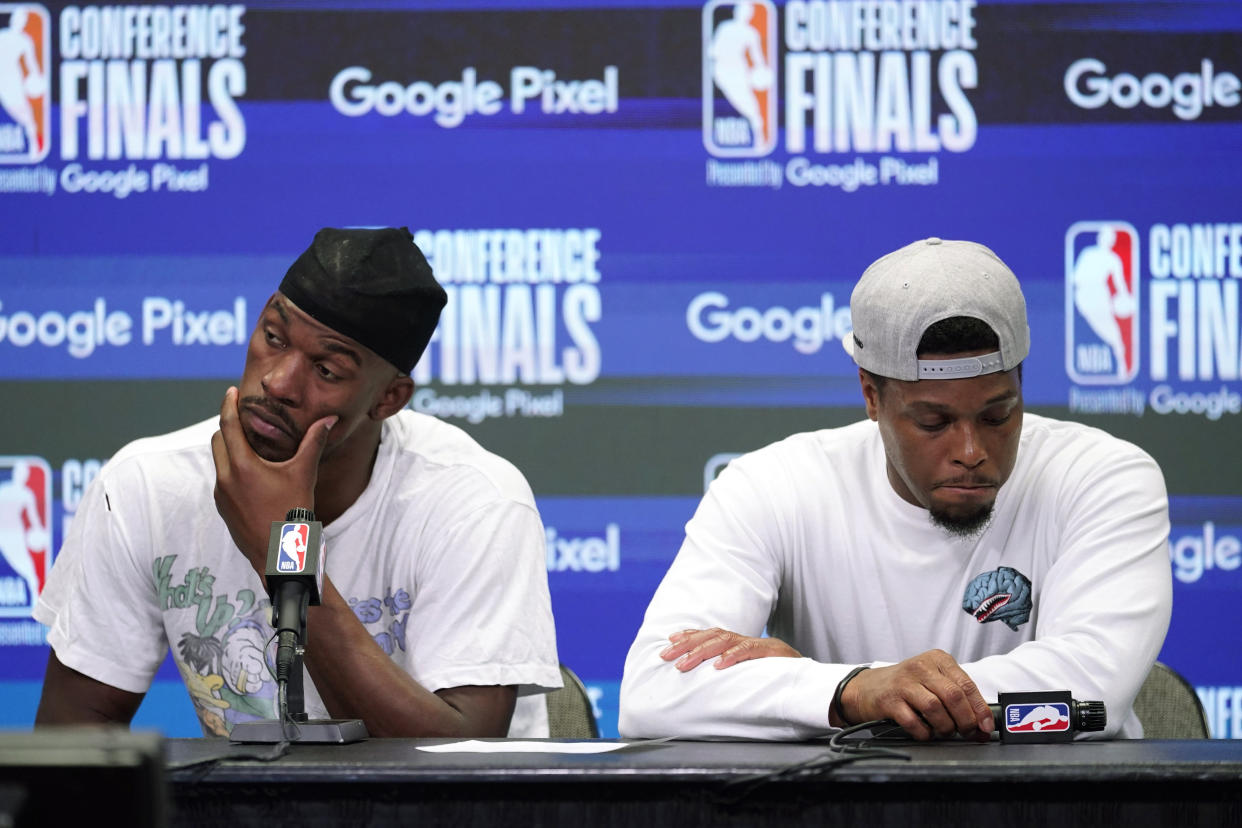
(904,293)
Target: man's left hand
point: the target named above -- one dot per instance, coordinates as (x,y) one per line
(252,492)
(692,647)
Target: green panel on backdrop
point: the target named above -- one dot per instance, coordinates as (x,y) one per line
(589,450)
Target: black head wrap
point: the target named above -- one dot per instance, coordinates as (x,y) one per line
(373,286)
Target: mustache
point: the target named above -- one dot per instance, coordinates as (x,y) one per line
(968,480)
(276,410)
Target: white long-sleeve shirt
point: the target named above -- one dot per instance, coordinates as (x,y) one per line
(807,538)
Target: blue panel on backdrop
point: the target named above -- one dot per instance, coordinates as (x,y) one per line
(606,556)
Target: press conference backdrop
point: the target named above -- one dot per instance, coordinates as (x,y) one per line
(648,217)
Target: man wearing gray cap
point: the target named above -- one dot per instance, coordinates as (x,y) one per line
(435,616)
(913,565)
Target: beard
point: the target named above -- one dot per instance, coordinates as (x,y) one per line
(969,524)
(267,449)
(276,451)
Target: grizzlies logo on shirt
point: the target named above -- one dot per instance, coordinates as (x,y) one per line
(1004,594)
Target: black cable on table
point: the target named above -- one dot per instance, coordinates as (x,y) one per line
(838,754)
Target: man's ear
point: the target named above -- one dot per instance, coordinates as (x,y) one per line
(871,394)
(394,398)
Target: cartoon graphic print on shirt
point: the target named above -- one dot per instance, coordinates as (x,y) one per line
(222,651)
(230,679)
(1004,594)
(371,612)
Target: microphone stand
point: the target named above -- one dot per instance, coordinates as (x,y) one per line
(297,726)
(291,594)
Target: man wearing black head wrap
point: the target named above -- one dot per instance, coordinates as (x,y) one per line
(435,610)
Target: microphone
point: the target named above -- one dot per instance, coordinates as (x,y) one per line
(294,572)
(1046,716)
(294,578)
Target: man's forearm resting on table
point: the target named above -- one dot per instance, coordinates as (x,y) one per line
(357,679)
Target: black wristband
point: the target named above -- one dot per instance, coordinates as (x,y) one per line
(836,697)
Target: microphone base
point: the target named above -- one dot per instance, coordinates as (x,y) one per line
(316,731)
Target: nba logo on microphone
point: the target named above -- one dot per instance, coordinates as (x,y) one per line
(292,555)
(1102,303)
(739,78)
(1037,718)
(25,533)
(25,102)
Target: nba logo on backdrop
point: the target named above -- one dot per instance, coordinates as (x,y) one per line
(25,533)
(739,78)
(25,103)
(1102,302)
(292,556)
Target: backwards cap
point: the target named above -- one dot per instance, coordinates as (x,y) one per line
(904,293)
(373,286)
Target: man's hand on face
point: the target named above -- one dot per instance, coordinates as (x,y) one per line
(692,647)
(927,695)
(252,492)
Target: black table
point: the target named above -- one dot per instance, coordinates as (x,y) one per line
(390,782)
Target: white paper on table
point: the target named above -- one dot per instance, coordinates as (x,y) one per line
(476,746)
